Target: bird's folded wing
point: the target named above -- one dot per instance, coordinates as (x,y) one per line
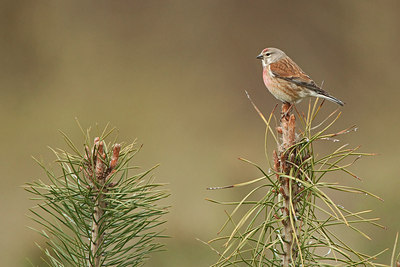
(287,70)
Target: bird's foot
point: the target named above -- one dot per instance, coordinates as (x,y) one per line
(286,109)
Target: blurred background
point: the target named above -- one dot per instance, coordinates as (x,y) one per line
(173,73)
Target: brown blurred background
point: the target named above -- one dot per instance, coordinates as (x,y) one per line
(173,74)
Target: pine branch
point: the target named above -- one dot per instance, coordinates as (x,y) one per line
(288,187)
(294,222)
(95,213)
(99,178)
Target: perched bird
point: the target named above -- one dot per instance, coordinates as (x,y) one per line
(286,81)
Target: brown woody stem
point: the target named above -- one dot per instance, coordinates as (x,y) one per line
(288,187)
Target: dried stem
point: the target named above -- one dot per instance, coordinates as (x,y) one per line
(288,188)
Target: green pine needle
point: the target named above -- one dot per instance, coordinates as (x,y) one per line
(132,215)
(253,232)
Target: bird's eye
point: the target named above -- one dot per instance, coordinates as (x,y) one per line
(268,54)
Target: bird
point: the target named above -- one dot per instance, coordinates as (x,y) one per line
(287,81)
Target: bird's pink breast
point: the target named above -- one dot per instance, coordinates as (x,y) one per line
(267,78)
(281,89)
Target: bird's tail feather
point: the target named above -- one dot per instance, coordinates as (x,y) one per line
(331,98)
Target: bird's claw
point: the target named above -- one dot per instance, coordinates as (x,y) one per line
(285,114)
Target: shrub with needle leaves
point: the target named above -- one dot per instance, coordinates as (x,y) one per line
(295,221)
(95,212)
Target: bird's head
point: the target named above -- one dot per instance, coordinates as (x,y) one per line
(270,55)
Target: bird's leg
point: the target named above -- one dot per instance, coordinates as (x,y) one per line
(286,108)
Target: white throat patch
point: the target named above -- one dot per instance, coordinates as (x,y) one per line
(263,63)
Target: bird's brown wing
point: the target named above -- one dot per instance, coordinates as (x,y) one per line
(287,70)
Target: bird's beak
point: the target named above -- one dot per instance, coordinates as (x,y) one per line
(260,56)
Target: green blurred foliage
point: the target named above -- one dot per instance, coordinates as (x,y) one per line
(173,74)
